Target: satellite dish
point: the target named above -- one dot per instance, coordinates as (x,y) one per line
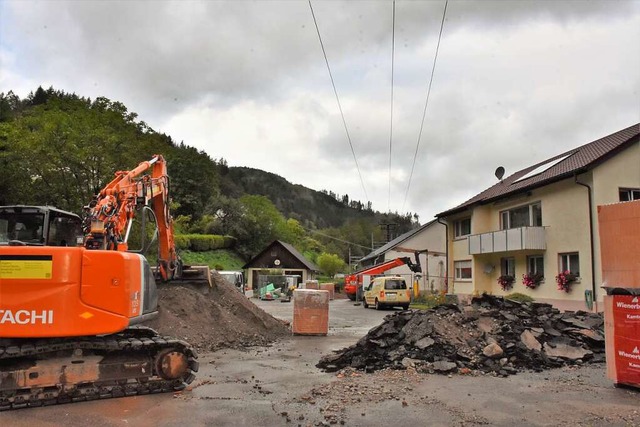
(500,172)
(488,268)
(276,262)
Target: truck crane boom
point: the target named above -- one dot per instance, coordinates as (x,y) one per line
(353,281)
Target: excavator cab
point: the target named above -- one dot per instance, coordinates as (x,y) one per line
(39,226)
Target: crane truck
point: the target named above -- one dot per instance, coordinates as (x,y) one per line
(73,296)
(353,281)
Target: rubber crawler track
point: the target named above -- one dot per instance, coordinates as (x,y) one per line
(132,340)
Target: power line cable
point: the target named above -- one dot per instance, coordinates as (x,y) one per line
(335,238)
(393,46)
(344,122)
(424,113)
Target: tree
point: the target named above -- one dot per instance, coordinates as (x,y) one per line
(40,97)
(292,232)
(194,177)
(330,264)
(228,213)
(260,224)
(10,104)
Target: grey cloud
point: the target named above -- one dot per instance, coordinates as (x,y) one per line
(509,103)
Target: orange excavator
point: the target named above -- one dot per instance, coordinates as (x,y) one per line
(73,296)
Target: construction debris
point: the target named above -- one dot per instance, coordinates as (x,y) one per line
(210,319)
(493,335)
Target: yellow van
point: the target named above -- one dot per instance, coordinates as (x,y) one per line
(387,291)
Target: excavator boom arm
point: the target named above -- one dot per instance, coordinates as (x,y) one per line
(110,215)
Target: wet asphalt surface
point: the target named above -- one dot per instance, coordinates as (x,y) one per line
(279,385)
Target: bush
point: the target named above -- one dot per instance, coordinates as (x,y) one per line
(229,242)
(516,296)
(203,242)
(181,241)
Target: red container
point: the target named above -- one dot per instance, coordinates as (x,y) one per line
(311,284)
(619,230)
(310,312)
(622,334)
(331,287)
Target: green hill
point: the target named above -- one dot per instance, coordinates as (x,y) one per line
(314,209)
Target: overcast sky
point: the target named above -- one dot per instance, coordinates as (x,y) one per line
(515,83)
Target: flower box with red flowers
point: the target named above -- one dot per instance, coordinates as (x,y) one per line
(532,280)
(565,280)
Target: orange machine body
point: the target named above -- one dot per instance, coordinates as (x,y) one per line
(353,281)
(71,291)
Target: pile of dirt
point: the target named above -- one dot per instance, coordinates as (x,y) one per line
(214,318)
(491,335)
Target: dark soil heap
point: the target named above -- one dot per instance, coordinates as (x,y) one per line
(218,317)
(491,335)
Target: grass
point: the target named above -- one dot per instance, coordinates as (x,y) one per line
(516,296)
(428,301)
(420,306)
(221,259)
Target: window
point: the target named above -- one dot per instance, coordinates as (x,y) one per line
(629,194)
(463,269)
(462,227)
(26,227)
(522,216)
(64,231)
(395,284)
(508,267)
(570,262)
(535,264)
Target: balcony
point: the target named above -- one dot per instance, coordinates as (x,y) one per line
(513,239)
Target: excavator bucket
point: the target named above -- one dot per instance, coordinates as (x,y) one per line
(195,275)
(198,276)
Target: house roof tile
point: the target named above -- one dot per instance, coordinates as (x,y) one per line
(308,264)
(571,162)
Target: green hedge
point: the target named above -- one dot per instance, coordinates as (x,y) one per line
(203,242)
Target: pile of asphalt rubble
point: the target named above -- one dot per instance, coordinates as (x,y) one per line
(492,335)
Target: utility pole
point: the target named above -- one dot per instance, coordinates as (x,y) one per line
(389,228)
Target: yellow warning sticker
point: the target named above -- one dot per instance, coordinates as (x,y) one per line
(32,269)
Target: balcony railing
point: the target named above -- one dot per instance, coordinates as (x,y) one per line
(513,239)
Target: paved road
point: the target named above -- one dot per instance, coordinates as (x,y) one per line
(279,385)
(345,318)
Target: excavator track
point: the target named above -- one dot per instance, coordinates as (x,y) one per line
(136,361)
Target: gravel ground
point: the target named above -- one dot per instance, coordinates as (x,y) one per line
(279,385)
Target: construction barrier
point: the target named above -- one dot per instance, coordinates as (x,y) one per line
(331,287)
(311,284)
(619,229)
(310,312)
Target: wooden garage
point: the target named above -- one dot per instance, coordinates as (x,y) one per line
(279,258)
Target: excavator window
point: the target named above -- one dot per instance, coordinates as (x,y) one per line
(24,227)
(63,230)
(28,225)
